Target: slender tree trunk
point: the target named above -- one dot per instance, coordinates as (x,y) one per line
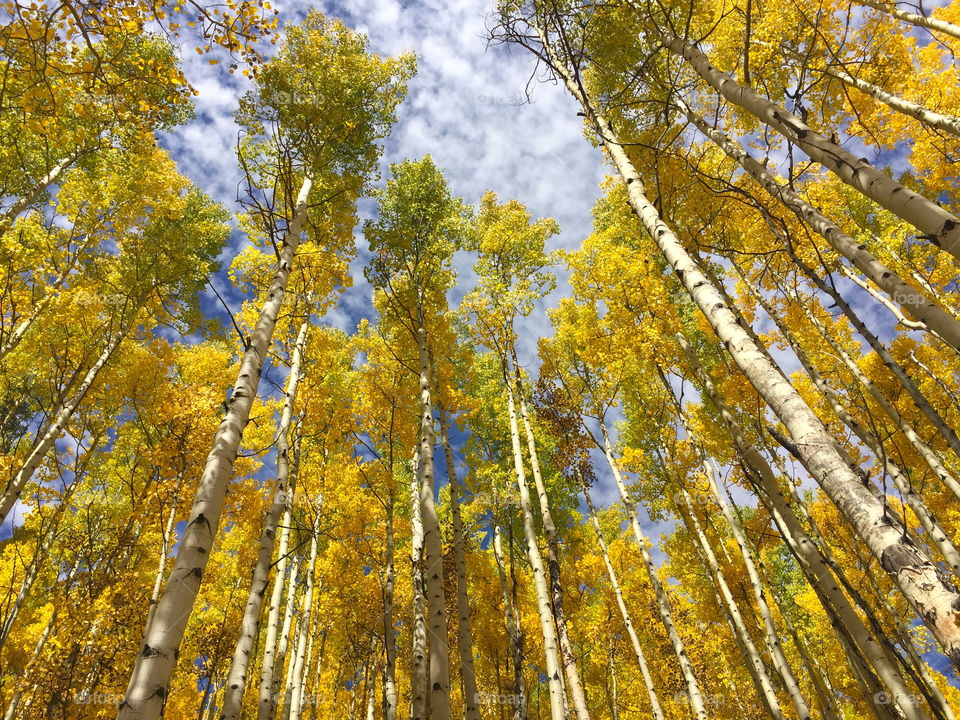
(22,203)
(14,704)
(655,708)
(513,630)
(286,642)
(758,670)
(54,429)
(157,659)
(772,637)
(272,653)
(544,611)
(812,564)
(418,680)
(464,634)
(923,21)
(940,121)
(913,572)
(164,552)
(439,653)
(306,628)
(941,227)
(694,694)
(570,666)
(912,299)
(250,624)
(389,682)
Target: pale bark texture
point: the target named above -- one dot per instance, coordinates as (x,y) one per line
(250,624)
(571,671)
(55,428)
(389,681)
(910,298)
(913,572)
(305,630)
(439,654)
(544,611)
(418,680)
(655,708)
(464,633)
(272,652)
(939,226)
(692,687)
(157,659)
(923,21)
(519,699)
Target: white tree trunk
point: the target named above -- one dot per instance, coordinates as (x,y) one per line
(694,694)
(544,611)
(655,708)
(913,572)
(282,497)
(157,659)
(389,681)
(418,680)
(570,668)
(519,699)
(941,227)
(913,18)
(47,440)
(306,629)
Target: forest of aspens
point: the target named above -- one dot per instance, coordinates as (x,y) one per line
(700,461)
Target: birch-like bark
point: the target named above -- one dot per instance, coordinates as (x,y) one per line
(418,680)
(544,611)
(272,652)
(902,483)
(902,319)
(930,23)
(157,659)
(655,709)
(940,121)
(55,428)
(911,298)
(282,494)
(917,577)
(694,694)
(14,704)
(164,552)
(513,630)
(946,432)
(771,636)
(22,203)
(812,564)
(439,653)
(306,628)
(939,226)
(464,633)
(749,649)
(389,680)
(287,635)
(570,666)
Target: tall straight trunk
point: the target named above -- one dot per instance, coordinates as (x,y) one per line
(946,432)
(439,653)
(655,709)
(771,636)
(157,659)
(286,642)
(519,699)
(55,428)
(923,21)
(940,227)
(306,628)
(418,679)
(272,651)
(940,121)
(758,670)
(570,665)
(464,634)
(165,544)
(692,687)
(282,498)
(544,611)
(928,454)
(903,484)
(389,681)
(910,568)
(868,288)
(813,565)
(612,686)
(911,298)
